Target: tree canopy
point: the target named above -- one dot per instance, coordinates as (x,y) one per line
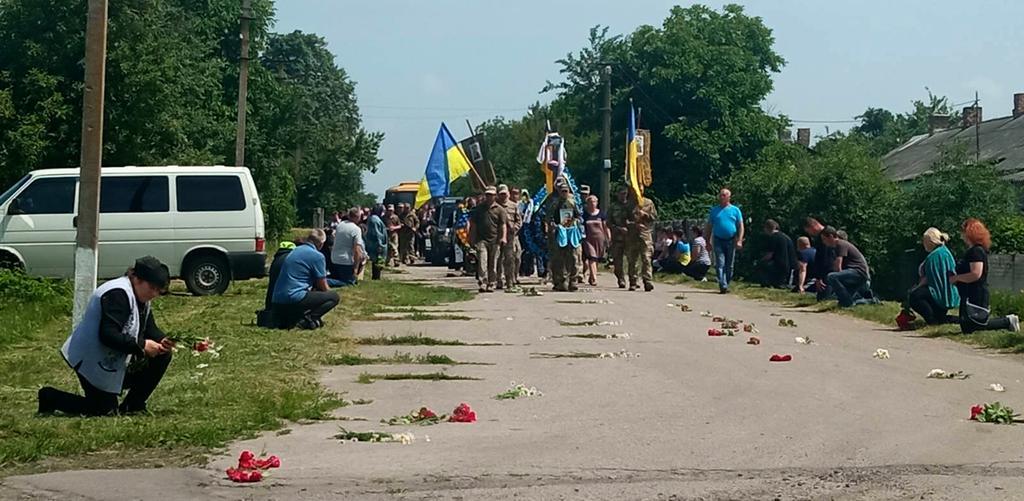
(171,93)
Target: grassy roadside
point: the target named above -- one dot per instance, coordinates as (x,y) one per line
(884,313)
(261,380)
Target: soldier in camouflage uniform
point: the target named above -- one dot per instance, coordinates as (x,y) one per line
(393,223)
(639,243)
(407,235)
(509,263)
(563,257)
(618,216)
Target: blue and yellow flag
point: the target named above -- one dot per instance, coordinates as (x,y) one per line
(632,168)
(446,164)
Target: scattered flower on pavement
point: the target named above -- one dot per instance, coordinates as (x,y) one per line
(993,413)
(780,358)
(802,340)
(754,340)
(941,374)
(786,322)
(515,391)
(881,354)
(996,387)
(422,417)
(721,332)
(706,314)
(250,468)
(685,308)
(620,354)
(463,414)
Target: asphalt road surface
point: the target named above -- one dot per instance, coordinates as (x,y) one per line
(692,417)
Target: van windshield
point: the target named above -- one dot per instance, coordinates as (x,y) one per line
(10,191)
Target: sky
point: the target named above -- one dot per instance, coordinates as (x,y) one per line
(417,63)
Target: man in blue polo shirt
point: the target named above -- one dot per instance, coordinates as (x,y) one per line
(301,295)
(725,225)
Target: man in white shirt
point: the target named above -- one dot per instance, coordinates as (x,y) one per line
(347,253)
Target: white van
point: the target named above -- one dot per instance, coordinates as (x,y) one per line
(204,223)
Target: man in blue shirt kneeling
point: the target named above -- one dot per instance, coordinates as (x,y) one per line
(301,295)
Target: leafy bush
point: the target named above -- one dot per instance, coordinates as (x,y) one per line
(18,288)
(1008,234)
(842,185)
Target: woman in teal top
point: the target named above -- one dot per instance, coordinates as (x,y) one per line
(934,295)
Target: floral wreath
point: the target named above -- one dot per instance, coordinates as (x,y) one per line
(533,233)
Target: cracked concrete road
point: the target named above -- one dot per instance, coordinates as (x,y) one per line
(694,417)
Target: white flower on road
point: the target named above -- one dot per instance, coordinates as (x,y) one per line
(996,387)
(802,340)
(937,374)
(509,318)
(881,354)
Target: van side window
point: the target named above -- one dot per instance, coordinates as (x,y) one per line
(125,194)
(210,194)
(48,195)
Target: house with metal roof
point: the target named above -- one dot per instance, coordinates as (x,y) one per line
(999,140)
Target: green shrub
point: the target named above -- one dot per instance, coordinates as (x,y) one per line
(17,287)
(1008,234)
(1005,303)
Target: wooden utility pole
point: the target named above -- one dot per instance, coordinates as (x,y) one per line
(977,130)
(87,220)
(243,83)
(606,137)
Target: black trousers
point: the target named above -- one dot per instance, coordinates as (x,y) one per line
(920,300)
(314,306)
(375,269)
(696,270)
(140,381)
(968,326)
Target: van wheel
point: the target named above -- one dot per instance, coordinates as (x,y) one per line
(9,262)
(207,275)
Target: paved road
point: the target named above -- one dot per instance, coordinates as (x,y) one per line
(694,417)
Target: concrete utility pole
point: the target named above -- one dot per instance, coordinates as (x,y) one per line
(606,137)
(243,83)
(87,220)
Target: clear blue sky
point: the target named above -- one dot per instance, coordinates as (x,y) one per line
(418,62)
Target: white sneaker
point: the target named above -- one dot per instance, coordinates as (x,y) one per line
(705,279)
(1014,322)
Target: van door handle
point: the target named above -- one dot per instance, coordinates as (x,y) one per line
(74,222)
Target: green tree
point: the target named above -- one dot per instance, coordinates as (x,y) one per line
(886,130)
(699,79)
(172,79)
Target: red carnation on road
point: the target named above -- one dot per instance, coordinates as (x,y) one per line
(463,414)
(250,467)
(976,411)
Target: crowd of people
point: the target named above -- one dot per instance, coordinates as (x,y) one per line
(492,242)
(827,263)
(118,323)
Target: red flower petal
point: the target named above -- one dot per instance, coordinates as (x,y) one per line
(976,410)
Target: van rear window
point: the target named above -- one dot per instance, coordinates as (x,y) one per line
(210,194)
(127,194)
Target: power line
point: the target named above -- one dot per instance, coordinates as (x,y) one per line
(843,121)
(439,108)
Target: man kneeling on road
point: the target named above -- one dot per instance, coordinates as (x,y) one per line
(117,324)
(301,296)
(850,273)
